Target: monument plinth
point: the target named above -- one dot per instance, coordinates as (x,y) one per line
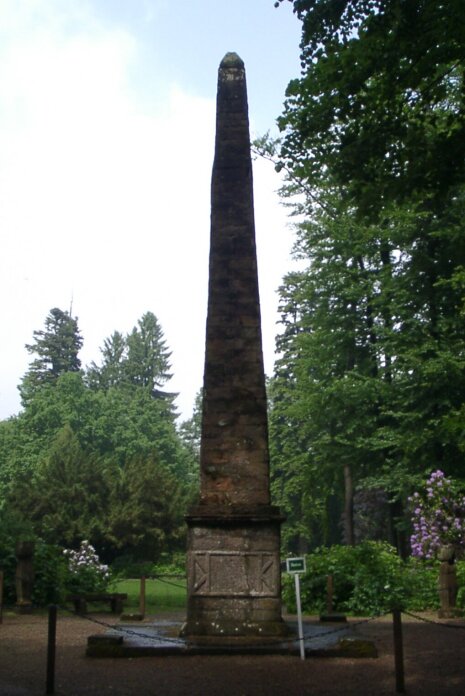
(233,532)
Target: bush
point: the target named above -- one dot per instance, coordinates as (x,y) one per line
(85,573)
(421,585)
(126,567)
(50,574)
(169,564)
(368,579)
(438,517)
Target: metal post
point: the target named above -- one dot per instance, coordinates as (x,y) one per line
(1,596)
(51,645)
(329,593)
(299,616)
(142,596)
(398,650)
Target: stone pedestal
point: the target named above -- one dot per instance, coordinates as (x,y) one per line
(234,578)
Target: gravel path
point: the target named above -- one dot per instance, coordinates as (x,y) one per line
(434,665)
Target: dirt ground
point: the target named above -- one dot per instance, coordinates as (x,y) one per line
(434,665)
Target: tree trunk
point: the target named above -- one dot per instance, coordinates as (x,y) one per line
(398,535)
(349,537)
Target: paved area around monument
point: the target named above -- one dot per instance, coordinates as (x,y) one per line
(434,665)
(161,637)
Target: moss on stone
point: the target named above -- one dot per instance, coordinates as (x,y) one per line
(232,60)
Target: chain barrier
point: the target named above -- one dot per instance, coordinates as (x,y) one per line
(431,621)
(296,639)
(121,629)
(307,637)
(166,582)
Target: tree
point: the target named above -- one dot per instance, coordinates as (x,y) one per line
(147,505)
(131,423)
(111,372)
(98,456)
(190,432)
(380,104)
(57,348)
(328,363)
(67,499)
(139,359)
(147,362)
(373,140)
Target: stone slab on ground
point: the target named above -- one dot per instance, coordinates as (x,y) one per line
(162,638)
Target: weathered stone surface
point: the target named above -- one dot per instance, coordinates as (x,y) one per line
(234,532)
(234,376)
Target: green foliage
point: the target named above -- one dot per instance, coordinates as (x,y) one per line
(12,529)
(50,574)
(69,493)
(368,579)
(421,585)
(380,101)
(146,506)
(48,562)
(127,566)
(171,564)
(369,386)
(140,359)
(161,594)
(57,348)
(190,433)
(99,455)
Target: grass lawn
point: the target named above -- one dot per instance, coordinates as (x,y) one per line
(160,594)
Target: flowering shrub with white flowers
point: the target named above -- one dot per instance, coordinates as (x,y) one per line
(86,572)
(438,517)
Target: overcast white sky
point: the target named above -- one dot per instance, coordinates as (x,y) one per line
(107,112)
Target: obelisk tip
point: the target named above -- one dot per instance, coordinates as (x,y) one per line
(232,60)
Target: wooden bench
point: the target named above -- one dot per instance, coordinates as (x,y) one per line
(115,599)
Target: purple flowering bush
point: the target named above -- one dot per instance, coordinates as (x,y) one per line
(85,571)
(438,517)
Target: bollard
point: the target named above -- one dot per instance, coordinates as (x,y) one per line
(329,593)
(142,596)
(51,644)
(1,596)
(398,650)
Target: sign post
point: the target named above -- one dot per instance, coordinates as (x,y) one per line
(295,566)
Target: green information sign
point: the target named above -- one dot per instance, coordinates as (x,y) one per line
(295,565)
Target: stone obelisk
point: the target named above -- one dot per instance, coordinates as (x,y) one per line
(233,532)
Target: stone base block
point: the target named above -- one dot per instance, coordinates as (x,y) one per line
(223,616)
(234,576)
